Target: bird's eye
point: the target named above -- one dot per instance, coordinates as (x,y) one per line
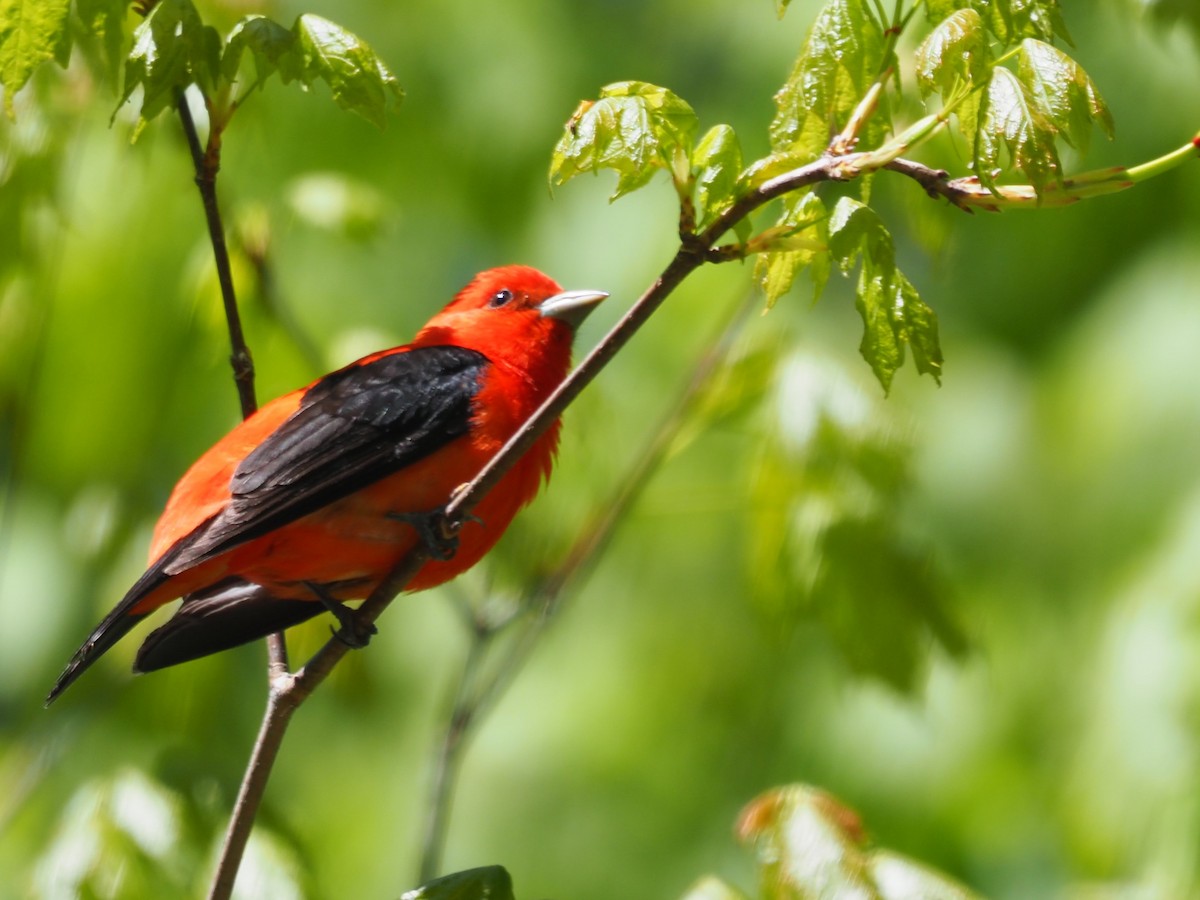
(500,298)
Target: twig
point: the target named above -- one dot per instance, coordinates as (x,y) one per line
(207,162)
(471,705)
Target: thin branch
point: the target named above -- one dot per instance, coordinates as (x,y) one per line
(472,704)
(207,163)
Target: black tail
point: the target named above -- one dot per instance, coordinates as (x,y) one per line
(114,627)
(230,613)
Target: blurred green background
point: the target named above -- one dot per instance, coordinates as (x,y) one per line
(1049,489)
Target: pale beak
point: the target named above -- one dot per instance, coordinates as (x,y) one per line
(571,307)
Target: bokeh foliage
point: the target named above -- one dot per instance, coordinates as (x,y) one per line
(1037,736)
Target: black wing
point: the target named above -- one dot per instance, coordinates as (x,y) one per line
(352,428)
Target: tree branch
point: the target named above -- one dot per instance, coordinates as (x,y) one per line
(472,704)
(207,162)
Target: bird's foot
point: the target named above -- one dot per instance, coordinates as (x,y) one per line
(353,632)
(437,531)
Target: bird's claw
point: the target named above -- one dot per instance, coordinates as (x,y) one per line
(352,631)
(437,531)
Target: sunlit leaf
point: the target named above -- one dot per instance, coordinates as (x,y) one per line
(843,56)
(358,79)
(893,314)
(171,49)
(1008,121)
(808,845)
(954,56)
(31,32)
(1062,91)
(634,128)
(1013,20)
(898,878)
(485,883)
(717,161)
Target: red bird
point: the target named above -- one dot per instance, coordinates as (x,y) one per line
(318,495)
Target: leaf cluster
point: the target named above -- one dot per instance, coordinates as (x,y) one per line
(998,71)
(172,48)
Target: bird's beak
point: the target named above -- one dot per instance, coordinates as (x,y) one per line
(571,307)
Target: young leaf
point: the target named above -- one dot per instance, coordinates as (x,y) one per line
(717,161)
(954,56)
(271,46)
(899,878)
(801,240)
(1012,20)
(359,80)
(938,10)
(843,56)
(634,128)
(810,845)
(1062,92)
(893,314)
(31,33)
(1007,120)
(171,49)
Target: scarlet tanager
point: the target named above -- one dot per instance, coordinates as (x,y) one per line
(314,499)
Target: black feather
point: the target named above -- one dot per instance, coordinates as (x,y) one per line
(352,428)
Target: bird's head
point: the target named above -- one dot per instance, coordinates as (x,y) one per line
(510,307)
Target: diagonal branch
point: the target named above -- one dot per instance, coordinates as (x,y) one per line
(473,702)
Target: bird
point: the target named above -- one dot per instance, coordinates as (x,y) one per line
(312,500)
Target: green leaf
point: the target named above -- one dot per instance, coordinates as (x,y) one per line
(1062,92)
(801,241)
(893,314)
(171,49)
(485,883)
(878,599)
(1013,20)
(938,10)
(954,56)
(843,56)
(1008,120)
(105,19)
(634,128)
(359,80)
(826,539)
(31,33)
(717,161)
(269,44)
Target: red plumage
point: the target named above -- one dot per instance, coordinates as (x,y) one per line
(303,496)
